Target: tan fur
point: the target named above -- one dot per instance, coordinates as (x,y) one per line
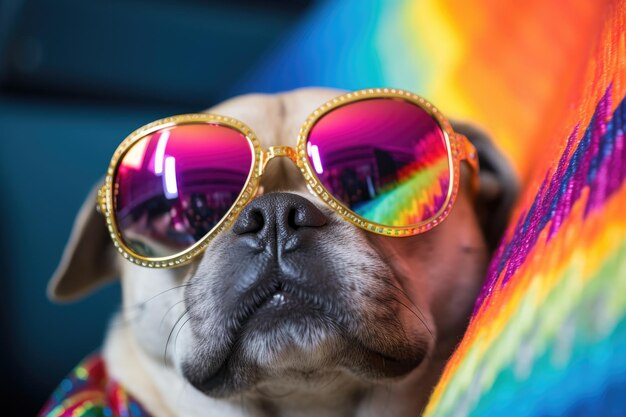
(455,252)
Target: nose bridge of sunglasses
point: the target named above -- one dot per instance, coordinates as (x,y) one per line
(277,151)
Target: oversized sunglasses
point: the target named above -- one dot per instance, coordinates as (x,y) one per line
(386,160)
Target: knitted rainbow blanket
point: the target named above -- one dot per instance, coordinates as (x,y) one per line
(547,79)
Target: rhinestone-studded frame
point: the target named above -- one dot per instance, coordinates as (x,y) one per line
(457,146)
(105,194)
(456,151)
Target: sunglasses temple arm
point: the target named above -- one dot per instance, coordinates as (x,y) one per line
(101,200)
(467,152)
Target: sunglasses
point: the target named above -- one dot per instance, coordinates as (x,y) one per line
(386,160)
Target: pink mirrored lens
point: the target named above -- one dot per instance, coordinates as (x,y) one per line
(173,186)
(385,159)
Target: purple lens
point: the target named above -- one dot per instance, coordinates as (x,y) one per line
(173,186)
(385,159)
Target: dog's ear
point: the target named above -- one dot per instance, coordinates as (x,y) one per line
(89,257)
(499,185)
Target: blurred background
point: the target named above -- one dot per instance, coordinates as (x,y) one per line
(75,78)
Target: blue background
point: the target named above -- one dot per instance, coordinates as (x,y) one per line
(76,77)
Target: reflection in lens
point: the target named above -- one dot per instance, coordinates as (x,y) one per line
(385,159)
(173,186)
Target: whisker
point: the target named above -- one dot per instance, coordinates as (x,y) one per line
(141,304)
(170,335)
(137,309)
(168,311)
(178,332)
(416,315)
(403,291)
(420,316)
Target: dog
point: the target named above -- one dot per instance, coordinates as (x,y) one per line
(392,309)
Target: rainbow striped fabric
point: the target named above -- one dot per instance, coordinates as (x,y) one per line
(89,392)
(549,332)
(547,80)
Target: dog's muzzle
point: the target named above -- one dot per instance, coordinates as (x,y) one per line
(279,230)
(283,291)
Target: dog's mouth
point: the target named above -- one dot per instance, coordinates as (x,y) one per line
(281,327)
(280,302)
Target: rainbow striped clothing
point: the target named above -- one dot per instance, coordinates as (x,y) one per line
(88,391)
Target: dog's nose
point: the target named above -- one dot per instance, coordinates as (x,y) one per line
(279,220)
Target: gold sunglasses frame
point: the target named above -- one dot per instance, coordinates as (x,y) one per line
(458,148)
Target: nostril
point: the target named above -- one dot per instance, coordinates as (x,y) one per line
(306,215)
(250,221)
(291,219)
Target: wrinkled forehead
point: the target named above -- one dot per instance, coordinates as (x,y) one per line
(276,119)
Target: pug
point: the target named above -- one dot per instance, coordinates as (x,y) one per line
(360,324)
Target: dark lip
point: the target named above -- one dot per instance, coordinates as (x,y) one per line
(262,296)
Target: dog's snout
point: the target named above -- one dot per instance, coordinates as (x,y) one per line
(278,219)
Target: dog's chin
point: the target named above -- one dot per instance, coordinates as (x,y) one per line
(290,341)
